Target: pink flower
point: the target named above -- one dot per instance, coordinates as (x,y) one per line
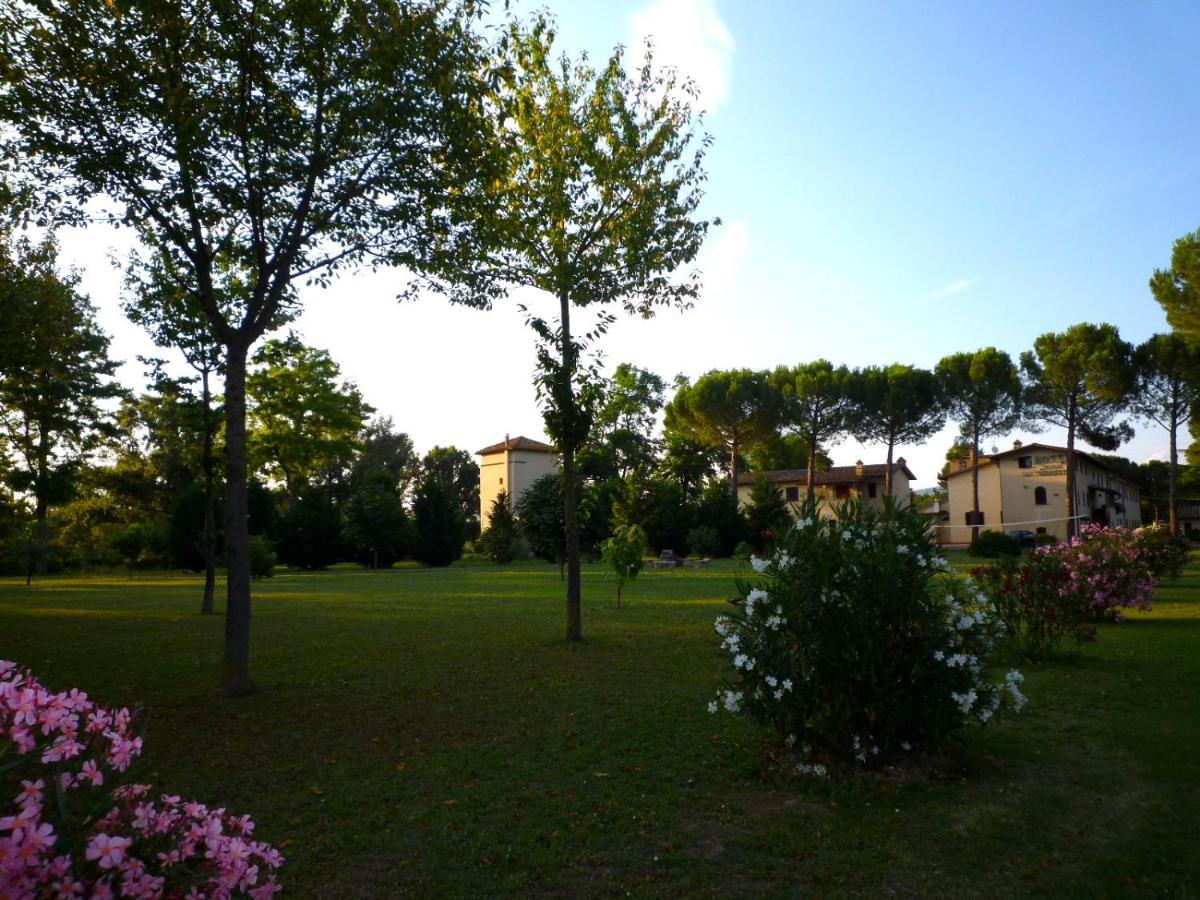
(108,849)
(31,792)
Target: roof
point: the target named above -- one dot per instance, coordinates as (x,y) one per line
(1024,449)
(520,442)
(832,475)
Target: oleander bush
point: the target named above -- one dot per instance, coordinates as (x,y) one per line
(1035,602)
(1165,554)
(992,544)
(69,829)
(856,646)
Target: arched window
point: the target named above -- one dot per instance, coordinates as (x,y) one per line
(1039,496)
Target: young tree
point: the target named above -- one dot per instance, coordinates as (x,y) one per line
(896,404)
(55,375)
(623,552)
(1167,388)
(731,410)
(597,208)
(1079,379)
(501,531)
(982,392)
(1178,288)
(255,145)
(302,422)
(539,512)
(174,318)
(817,405)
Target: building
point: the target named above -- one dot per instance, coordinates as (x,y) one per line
(834,485)
(1024,489)
(511,465)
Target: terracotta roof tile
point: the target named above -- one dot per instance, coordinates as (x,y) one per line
(520,442)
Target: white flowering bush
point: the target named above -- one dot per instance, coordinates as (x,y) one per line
(854,643)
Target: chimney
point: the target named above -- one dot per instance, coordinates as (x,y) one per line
(1017,445)
(901,463)
(858,468)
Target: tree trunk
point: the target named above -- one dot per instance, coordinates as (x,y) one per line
(1071,530)
(236,670)
(975,485)
(733,458)
(887,476)
(811,474)
(1172,482)
(570,512)
(210,502)
(40,540)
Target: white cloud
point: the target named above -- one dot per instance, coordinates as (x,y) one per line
(691,36)
(954,287)
(721,259)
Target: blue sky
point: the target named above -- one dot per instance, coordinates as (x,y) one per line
(897,182)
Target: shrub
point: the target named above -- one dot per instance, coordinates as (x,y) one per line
(1108,569)
(1045,540)
(853,644)
(262,557)
(1165,554)
(55,744)
(441,528)
(743,551)
(704,540)
(992,544)
(497,542)
(1035,601)
(767,513)
(623,553)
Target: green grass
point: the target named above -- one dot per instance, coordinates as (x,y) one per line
(430,733)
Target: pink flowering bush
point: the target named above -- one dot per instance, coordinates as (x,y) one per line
(65,831)
(856,646)
(1109,569)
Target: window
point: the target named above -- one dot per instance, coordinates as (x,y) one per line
(793,494)
(1024,462)
(842,491)
(1039,496)
(871,488)
(1041,531)
(978,517)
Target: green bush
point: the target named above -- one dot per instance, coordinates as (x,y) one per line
(1165,554)
(1033,598)
(855,645)
(1045,540)
(743,551)
(262,557)
(992,544)
(704,540)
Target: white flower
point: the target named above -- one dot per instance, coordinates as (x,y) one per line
(721,626)
(771,681)
(964,701)
(984,715)
(733,701)
(1014,677)
(938,655)
(901,549)
(810,769)
(790,741)
(712,706)
(758,565)
(905,746)
(846,536)
(874,749)
(787,684)
(782,559)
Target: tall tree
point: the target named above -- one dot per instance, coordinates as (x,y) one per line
(458,469)
(55,375)
(255,144)
(1080,380)
(817,404)
(382,447)
(628,416)
(304,423)
(896,404)
(1167,388)
(982,392)
(1177,289)
(732,410)
(596,207)
(175,318)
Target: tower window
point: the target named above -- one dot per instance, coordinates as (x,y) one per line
(1039,496)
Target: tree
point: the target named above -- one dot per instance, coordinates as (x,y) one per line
(732,410)
(382,448)
(376,525)
(596,207)
(896,404)
(539,513)
(458,469)
(174,318)
(440,528)
(55,375)
(501,532)
(982,392)
(817,405)
(1167,388)
(254,145)
(767,514)
(309,529)
(633,399)
(687,462)
(623,552)
(1177,289)
(1079,379)
(303,423)
(784,451)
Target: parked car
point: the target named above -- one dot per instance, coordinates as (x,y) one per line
(1024,538)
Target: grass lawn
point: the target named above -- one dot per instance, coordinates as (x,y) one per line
(429,732)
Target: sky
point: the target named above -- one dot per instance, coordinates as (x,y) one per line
(896,182)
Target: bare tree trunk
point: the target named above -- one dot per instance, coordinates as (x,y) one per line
(570,510)
(887,476)
(1172,483)
(236,670)
(733,458)
(41,533)
(975,485)
(811,475)
(210,502)
(1071,529)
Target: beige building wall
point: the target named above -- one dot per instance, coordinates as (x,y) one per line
(958,488)
(512,471)
(827,496)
